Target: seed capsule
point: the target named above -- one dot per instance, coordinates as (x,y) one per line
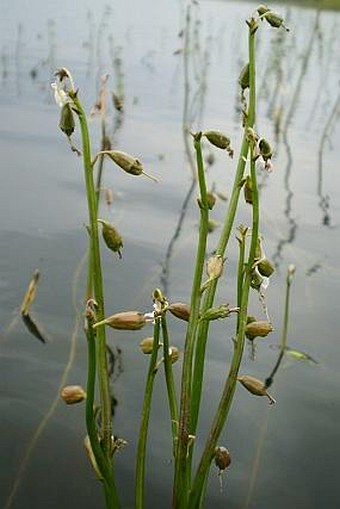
(255,386)
(215,266)
(173,354)
(72,394)
(244,77)
(222,458)
(146,345)
(127,320)
(111,237)
(265,149)
(259,328)
(127,163)
(219,140)
(66,123)
(275,20)
(219,312)
(265,267)
(180,310)
(262,9)
(248,190)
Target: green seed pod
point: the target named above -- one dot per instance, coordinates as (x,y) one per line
(218,139)
(248,190)
(111,237)
(255,386)
(72,394)
(244,77)
(222,458)
(259,328)
(262,9)
(128,163)
(265,267)
(66,123)
(219,312)
(146,345)
(180,310)
(127,320)
(265,149)
(274,20)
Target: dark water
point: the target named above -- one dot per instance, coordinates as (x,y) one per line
(285,456)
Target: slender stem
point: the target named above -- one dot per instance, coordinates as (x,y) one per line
(170,384)
(182,470)
(224,239)
(97,280)
(230,385)
(144,423)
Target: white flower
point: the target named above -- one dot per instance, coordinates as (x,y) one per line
(60,96)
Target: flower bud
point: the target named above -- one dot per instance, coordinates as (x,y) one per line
(222,458)
(180,310)
(72,394)
(258,328)
(248,190)
(255,386)
(244,77)
(127,320)
(66,123)
(219,140)
(173,354)
(265,267)
(111,237)
(146,345)
(215,266)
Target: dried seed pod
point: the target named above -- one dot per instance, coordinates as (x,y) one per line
(180,310)
(248,190)
(244,77)
(259,328)
(262,9)
(215,266)
(146,345)
(265,267)
(173,354)
(111,237)
(127,320)
(66,122)
(255,386)
(222,458)
(72,394)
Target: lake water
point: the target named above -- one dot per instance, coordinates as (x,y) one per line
(282,456)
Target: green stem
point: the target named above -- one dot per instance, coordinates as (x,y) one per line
(182,470)
(230,385)
(224,238)
(144,423)
(97,280)
(103,462)
(170,384)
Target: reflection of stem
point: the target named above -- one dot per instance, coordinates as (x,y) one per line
(293,105)
(324,200)
(40,429)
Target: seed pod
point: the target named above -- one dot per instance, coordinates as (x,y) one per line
(265,267)
(256,280)
(129,164)
(215,266)
(180,310)
(222,458)
(66,123)
(262,9)
(265,149)
(218,139)
(211,200)
(259,328)
(248,190)
(244,77)
(219,312)
(173,354)
(127,320)
(255,386)
(275,20)
(111,237)
(72,394)
(146,345)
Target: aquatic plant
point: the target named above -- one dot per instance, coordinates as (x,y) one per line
(252,274)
